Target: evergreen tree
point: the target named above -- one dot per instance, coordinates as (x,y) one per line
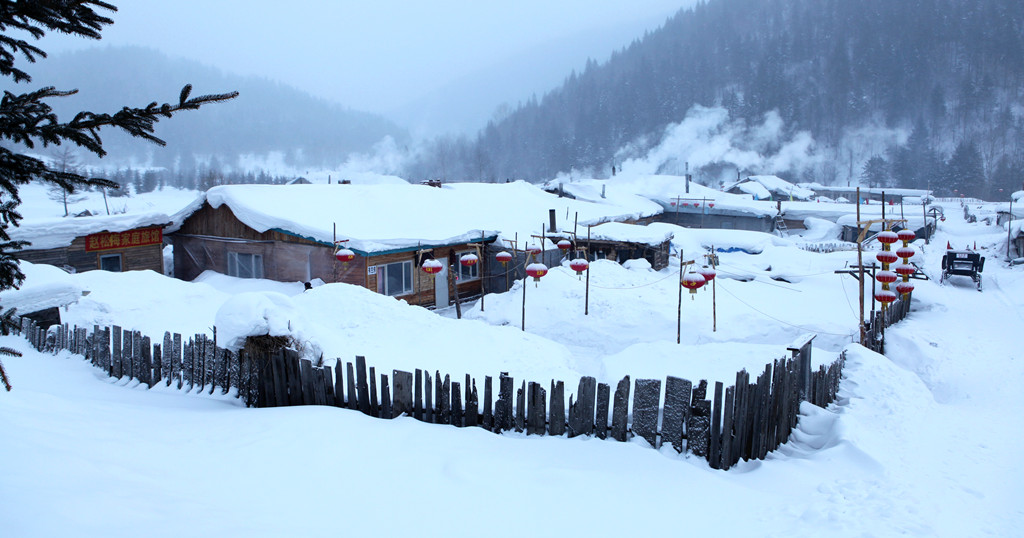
(27,120)
(876,172)
(964,173)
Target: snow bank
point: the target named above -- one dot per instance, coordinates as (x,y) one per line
(254,314)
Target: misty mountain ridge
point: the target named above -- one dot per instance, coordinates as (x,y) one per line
(268,121)
(913,84)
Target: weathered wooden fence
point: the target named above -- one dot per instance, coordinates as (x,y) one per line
(876,325)
(196,364)
(743,421)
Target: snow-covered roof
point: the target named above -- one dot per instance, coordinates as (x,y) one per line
(381,218)
(816,187)
(58,233)
(753,188)
(626,233)
(778,185)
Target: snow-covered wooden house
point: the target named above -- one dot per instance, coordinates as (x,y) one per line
(128,242)
(289,234)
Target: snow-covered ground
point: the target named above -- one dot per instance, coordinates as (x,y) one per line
(923,442)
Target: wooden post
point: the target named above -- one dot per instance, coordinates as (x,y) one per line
(350,386)
(586,293)
(860,278)
(679,305)
(385,397)
(521,408)
(472,405)
(374,404)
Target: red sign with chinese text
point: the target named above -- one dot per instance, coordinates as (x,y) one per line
(129,239)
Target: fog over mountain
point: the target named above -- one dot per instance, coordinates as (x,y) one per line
(268,120)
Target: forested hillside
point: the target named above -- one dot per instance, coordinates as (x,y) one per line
(266,118)
(943,79)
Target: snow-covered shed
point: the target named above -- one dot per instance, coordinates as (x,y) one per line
(290,234)
(620,242)
(127,242)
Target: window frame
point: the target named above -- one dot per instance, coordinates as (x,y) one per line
(460,276)
(120,262)
(255,264)
(408,286)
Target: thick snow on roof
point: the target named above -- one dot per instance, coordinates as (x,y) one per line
(378,218)
(667,191)
(631,233)
(57,233)
(817,187)
(755,189)
(777,184)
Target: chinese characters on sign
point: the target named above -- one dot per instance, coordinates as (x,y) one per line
(129,239)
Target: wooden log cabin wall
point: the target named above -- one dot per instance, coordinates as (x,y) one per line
(130,250)
(215,239)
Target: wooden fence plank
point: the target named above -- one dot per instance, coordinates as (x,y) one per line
(362,387)
(352,394)
(535,418)
(727,460)
(444,398)
(319,396)
(677,398)
(417,405)
(646,404)
(428,402)
(402,404)
(115,360)
(385,397)
(374,403)
(620,410)
(503,409)
(556,421)
(581,412)
(158,371)
(145,359)
(601,411)
(456,404)
(488,418)
(472,406)
(521,408)
(715,448)
(339,384)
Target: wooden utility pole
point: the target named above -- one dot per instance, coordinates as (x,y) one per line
(860,265)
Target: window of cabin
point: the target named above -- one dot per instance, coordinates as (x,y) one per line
(243,265)
(467,273)
(397,278)
(110,262)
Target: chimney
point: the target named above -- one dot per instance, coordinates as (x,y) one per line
(551,221)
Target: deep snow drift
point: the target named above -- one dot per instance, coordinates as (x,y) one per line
(922,442)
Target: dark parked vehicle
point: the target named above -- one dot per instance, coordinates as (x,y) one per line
(963,263)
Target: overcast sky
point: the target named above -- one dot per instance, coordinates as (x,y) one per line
(377,55)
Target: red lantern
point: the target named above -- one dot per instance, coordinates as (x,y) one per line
(885,296)
(503,257)
(905,252)
(885,277)
(579,265)
(468,260)
(905,269)
(888,237)
(906,235)
(534,251)
(564,244)
(536,270)
(432,266)
(344,255)
(708,273)
(886,256)
(711,204)
(904,288)
(693,281)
